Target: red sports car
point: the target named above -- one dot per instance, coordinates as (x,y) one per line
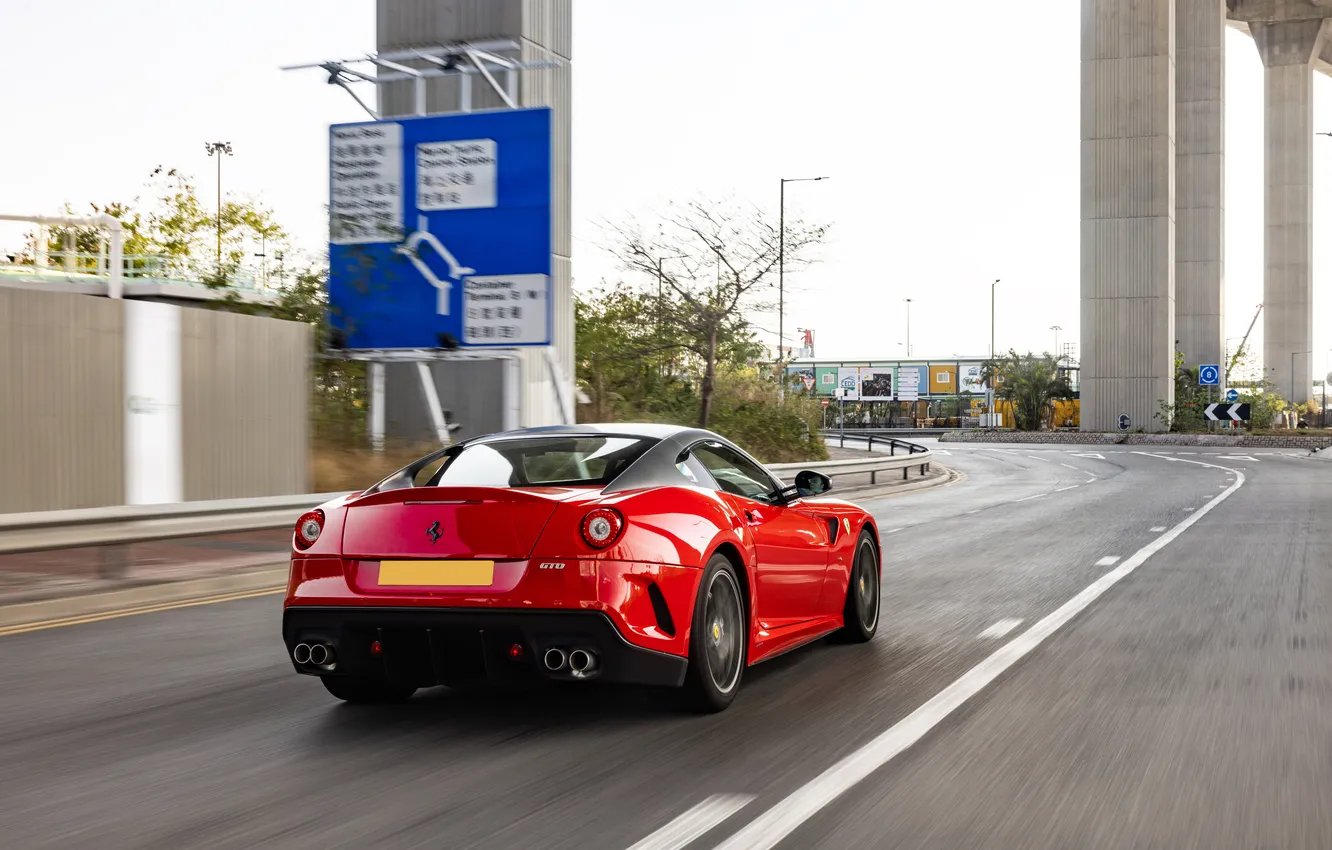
(642,554)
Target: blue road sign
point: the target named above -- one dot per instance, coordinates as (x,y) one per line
(1209,375)
(440,231)
(1232,396)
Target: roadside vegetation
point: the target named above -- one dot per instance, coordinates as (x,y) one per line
(676,347)
(678,344)
(1266,403)
(1030,384)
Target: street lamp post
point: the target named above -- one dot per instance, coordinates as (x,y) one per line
(781,278)
(1056,330)
(989,385)
(218,149)
(908,344)
(660,260)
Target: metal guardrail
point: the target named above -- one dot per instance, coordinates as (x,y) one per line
(47,530)
(118,525)
(884,438)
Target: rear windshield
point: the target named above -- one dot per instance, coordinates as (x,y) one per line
(542,461)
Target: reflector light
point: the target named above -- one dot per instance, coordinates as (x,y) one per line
(375,648)
(308,528)
(516,651)
(602,527)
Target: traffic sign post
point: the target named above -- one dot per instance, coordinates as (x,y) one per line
(440,231)
(1125,422)
(1209,375)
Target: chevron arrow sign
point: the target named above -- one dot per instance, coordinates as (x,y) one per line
(1227,412)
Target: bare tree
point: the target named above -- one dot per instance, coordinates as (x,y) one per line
(714,265)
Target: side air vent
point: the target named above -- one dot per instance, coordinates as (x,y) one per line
(833,527)
(664,621)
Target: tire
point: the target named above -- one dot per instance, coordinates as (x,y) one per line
(363,691)
(860,614)
(718,640)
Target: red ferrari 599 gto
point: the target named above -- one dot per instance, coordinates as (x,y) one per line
(641,554)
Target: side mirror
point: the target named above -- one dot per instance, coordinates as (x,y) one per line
(812,483)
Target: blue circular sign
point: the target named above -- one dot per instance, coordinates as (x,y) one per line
(1232,395)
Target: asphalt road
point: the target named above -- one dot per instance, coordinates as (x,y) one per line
(1080,647)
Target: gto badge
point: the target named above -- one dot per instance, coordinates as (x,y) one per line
(550,566)
(433,533)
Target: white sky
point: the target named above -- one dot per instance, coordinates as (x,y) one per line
(951,137)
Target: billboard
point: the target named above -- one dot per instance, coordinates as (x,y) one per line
(876,383)
(971,378)
(440,230)
(805,374)
(848,380)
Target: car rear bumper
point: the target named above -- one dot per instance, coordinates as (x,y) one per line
(425,646)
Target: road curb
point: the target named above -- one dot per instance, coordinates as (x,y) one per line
(21,613)
(951,476)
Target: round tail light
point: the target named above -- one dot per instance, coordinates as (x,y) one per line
(602,527)
(308,528)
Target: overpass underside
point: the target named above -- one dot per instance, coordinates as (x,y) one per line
(1153,194)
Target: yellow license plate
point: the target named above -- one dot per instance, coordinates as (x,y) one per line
(436,573)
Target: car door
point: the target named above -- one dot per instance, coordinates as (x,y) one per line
(791,542)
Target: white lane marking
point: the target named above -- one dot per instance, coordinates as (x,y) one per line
(1041,459)
(941,451)
(1070,487)
(1107,561)
(1068,465)
(1090,479)
(892,531)
(1158,528)
(769,829)
(1001,628)
(694,822)
(1029,498)
(1239,457)
(978,510)
(1091,454)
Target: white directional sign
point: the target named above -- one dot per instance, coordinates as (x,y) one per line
(908,384)
(365,184)
(1209,375)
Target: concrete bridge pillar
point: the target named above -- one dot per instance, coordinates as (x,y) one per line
(1200,91)
(1128,211)
(1288,50)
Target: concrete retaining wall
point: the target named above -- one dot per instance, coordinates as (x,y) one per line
(1222,441)
(108,402)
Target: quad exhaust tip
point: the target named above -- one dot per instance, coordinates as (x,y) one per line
(554,659)
(317,655)
(582,661)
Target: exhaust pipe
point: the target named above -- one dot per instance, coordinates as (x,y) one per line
(301,654)
(583,661)
(554,659)
(321,655)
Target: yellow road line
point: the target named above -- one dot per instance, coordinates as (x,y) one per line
(21,628)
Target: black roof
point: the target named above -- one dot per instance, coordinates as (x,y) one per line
(649,430)
(655,468)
